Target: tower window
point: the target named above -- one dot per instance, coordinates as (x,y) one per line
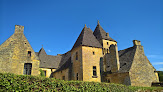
(77,76)
(107,51)
(94,71)
(29,53)
(76,55)
(93,53)
(107,43)
(27,68)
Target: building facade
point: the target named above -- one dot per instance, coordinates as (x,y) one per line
(93,57)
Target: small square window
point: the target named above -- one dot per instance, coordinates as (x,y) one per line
(29,53)
(93,53)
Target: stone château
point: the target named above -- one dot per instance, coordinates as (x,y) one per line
(93,57)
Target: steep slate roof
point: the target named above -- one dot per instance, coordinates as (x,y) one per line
(65,61)
(48,61)
(99,33)
(126,57)
(86,38)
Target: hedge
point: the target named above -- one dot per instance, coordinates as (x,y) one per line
(12,82)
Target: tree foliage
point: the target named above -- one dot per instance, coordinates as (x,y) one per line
(160,74)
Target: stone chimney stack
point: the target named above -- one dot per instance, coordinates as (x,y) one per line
(136,42)
(19,29)
(114,58)
(107,34)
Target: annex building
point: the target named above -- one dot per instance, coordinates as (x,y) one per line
(93,57)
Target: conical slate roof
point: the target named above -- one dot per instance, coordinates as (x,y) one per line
(42,51)
(99,33)
(48,61)
(86,38)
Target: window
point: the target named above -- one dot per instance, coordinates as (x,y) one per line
(76,55)
(94,71)
(77,76)
(44,72)
(107,43)
(29,53)
(93,53)
(63,77)
(108,80)
(107,50)
(27,68)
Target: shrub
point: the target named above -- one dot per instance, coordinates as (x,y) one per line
(42,74)
(11,82)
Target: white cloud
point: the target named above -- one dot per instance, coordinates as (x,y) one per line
(160,69)
(157,63)
(155,56)
(49,50)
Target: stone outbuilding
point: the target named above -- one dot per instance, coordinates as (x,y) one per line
(17,55)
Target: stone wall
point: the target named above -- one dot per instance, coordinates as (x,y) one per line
(106,44)
(114,59)
(63,74)
(120,78)
(142,72)
(89,60)
(77,64)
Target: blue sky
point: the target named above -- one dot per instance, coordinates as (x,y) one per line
(57,23)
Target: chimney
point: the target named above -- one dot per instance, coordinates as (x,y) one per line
(107,34)
(136,42)
(19,29)
(114,58)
